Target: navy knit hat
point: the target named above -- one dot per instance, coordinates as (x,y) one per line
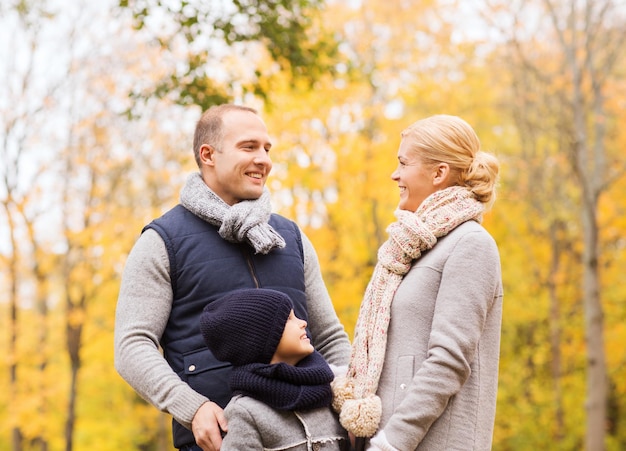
(245,326)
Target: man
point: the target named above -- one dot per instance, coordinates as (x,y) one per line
(221,237)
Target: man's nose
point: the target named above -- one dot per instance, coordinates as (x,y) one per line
(262,157)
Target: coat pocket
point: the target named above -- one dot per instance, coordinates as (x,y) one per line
(404,378)
(207,375)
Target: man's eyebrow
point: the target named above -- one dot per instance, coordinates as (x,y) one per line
(254,142)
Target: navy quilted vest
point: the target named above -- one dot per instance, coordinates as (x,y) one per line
(203,267)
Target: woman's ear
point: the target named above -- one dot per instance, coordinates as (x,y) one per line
(441,176)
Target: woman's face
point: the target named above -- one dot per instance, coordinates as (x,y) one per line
(415,179)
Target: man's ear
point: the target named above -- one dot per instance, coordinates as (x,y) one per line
(207,155)
(441,174)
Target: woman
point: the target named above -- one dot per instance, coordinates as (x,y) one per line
(424,368)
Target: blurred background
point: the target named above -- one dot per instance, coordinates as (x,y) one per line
(98,102)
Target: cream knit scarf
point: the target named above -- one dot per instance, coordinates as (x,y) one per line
(355,395)
(246,221)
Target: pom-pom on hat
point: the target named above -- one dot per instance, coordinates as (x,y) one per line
(245,326)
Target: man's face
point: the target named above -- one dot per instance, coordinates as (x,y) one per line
(239,168)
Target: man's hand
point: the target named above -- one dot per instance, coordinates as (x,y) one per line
(207,426)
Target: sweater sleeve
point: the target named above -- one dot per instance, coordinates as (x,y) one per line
(143,308)
(329,335)
(467,292)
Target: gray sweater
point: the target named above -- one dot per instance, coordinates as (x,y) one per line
(253,425)
(143,309)
(440,375)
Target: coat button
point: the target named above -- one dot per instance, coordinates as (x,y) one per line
(402,386)
(192,368)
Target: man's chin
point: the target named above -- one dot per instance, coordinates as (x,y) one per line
(253,194)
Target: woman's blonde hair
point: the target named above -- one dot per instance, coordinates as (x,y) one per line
(449,139)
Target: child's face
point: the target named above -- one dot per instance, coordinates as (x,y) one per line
(294,344)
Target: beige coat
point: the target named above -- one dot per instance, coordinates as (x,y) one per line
(440,376)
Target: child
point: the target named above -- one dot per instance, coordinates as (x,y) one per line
(281,384)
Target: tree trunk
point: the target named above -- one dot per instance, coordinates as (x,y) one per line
(588,162)
(556,228)
(597,378)
(16,433)
(74,333)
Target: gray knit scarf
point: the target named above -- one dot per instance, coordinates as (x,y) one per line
(246,221)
